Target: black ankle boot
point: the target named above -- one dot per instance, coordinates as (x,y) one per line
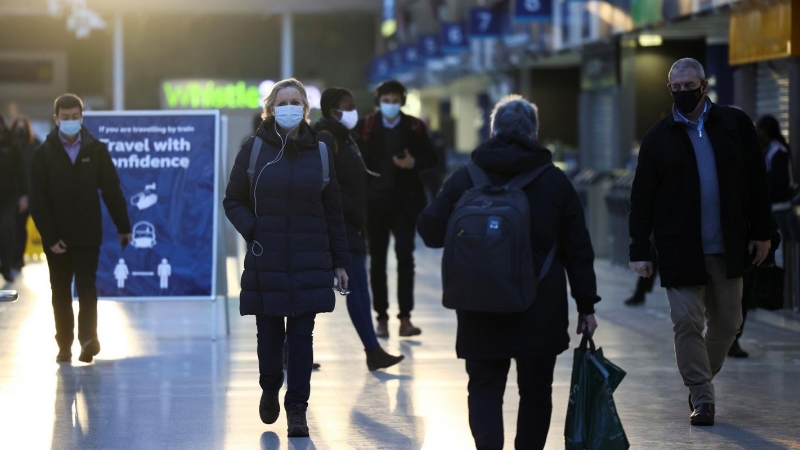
(379,359)
(269,408)
(736,351)
(636,300)
(296,416)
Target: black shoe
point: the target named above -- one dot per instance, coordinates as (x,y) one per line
(703,416)
(89,349)
(379,359)
(269,408)
(636,300)
(691,405)
(64,356)
(8,275)
(736,351)
(296,417)
(382,330)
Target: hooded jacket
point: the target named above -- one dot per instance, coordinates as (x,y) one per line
(557,220)
(294,228)
(64,198)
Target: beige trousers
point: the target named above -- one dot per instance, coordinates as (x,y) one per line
(719,302)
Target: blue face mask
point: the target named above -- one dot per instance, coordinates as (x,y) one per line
(390,110)
(69,128)
(289,116)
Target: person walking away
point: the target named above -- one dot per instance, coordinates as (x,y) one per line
(23,136)
(396,146)
(13,198)
(559,239)
(779,176)
(339,117)
(68,173)
(291,218)
(701,189)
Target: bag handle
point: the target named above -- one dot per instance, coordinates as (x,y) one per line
(251,168)
(587,340)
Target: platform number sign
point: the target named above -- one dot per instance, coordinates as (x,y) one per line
(485,23)
(454,37)
(533,10)
(428,46)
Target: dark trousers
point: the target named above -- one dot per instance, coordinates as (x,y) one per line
(359,302)
(79,263)
(297,332)
(8,225)
(487,384)
(385,217)
(21,239)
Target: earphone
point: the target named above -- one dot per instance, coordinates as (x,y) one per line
(255,185)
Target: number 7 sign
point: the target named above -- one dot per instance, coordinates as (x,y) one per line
(485,22)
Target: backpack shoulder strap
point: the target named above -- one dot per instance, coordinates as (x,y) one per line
(479,177)
(326,168)
(369,123)
(548,262)
(251,168)
(521,181)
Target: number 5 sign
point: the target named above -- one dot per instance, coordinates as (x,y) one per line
(485,23)
(533,10)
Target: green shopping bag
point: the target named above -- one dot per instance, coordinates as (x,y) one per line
(592,419)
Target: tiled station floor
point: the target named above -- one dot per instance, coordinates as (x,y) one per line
(162,383)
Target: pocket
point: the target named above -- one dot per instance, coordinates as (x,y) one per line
(475,254)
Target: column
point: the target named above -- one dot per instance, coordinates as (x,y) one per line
(119,64)
(287,46)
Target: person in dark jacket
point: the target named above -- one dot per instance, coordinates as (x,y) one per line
(67,171)
(701,189)
(297,244)
(13,198)
(23,136)
(396,146)
(339,116)
(537,335)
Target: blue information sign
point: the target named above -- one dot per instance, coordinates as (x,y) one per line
(429,46)
(533,10)
(454,37)
(411,56)
(486,23)
(167,164)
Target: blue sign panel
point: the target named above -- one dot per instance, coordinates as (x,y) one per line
(533,10)
(485,23)
(396,62)
(380,68)
(429,46)
(167,164)
(454,37)
(411,56)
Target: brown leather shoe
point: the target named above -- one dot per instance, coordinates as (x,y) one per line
(407,329)
(382,330)
(703,415)
(379,359)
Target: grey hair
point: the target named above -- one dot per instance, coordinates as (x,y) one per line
(515,115)
(688,63)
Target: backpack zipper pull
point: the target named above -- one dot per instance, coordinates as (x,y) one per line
(460,233)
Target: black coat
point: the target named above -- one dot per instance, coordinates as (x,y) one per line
(13,180)
(299,226)
(409,189)
(64,199)
(559,219)
(353,179)
(665,199)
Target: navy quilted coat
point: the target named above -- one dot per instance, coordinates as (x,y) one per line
(298,225)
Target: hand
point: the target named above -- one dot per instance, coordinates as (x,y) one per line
(341,275)
(759,250)
(125,239)
(59,248)
(23,204)
(587,324)
(407,162)
(642,268)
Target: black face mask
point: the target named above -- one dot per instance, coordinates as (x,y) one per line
(20,134)
(686,101)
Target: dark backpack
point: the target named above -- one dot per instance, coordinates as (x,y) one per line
(488,264)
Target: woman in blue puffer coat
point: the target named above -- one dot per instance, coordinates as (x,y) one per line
(292,221)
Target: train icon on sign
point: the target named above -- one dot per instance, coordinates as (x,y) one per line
(144,235)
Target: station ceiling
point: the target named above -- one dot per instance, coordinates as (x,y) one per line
(266,7)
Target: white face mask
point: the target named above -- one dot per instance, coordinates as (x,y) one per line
(289,116)
(349,119)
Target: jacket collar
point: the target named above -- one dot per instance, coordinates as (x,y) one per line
(712,112)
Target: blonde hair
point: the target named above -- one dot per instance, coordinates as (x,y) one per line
(269,101)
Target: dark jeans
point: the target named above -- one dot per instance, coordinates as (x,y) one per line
(487,384)
(358,302)
(8,225)
(21,239)
(297,332)
(80,263)
(385,217)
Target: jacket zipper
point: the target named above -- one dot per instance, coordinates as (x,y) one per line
(289,234)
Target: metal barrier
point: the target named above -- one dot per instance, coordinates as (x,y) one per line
(618,201)
(787,215)
(592,187)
